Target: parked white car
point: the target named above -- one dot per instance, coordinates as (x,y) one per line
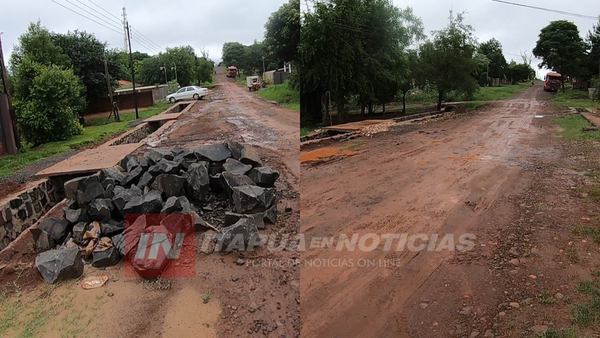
(188,93)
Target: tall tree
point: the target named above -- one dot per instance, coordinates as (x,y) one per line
(351,48)
(593,41)
(234,54)
(492,49)
(282,35)
(38,45)
(448,61)
(561,48)
(86,57)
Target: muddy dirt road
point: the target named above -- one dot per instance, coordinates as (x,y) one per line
(231,295)
(453,177)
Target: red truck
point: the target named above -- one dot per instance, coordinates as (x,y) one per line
(552,82)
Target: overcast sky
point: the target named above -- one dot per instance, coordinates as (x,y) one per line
(203,24)
(207,24)
(517,28)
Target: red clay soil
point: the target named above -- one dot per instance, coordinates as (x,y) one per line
(500,174)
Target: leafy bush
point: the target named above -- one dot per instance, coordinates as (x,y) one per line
(48,110)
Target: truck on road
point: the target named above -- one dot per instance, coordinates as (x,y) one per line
(552,82)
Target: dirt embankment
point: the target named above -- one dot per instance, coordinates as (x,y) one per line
(499,174)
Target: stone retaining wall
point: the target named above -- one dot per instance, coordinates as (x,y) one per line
(20,212)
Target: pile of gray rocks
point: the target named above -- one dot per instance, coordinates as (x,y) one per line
(106,212)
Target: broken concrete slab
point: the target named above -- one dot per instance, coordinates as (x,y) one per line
(217,152)
(251,199)
(236,167)
(264,176)
(59,264)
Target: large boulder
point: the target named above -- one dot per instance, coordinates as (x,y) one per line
(236,167)
(197,181)
(111,228)
(235,148)
(241,236)
(60,264)
(130,162)
(170,185)
(151,256)
(101,209)
(231,181)
(71,187)
(89,189)
(150,203)
(177,204)
(250,156)
(57,229)
(217,152)
(145,181)
(251,199)
(75,215)
(125,195)
(164,167)
(105,254)
(264,176)
(133,176)
(113,173)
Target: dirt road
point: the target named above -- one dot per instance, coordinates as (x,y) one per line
(465,175)
(230,296)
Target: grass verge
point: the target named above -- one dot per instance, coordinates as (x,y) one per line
(573,128)
(95,130)
(283,94)
(574,98)
(499,93)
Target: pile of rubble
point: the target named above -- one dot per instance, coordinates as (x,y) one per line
(107,212)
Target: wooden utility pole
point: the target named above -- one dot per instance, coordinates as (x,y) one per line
(11,111)
(114,110)
(135,101)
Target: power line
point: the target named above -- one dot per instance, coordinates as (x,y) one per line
(94,15)
(548,9)
(104,10)
(142,36)
(82,15)
(118,23)
(145,46)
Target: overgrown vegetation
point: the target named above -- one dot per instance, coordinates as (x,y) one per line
(574,98)
(587,314)
(95,131)
(283,94)
(573,128)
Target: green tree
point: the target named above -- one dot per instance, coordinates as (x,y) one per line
(282,35)
(204,70)
(492,49)
(561,48)
(148,71)
(407,79)
(184,58)
(352,48)
(38,45)
(234,54)
(48,111)
(519,72)
(448,61)
(593,41)
(86,57)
